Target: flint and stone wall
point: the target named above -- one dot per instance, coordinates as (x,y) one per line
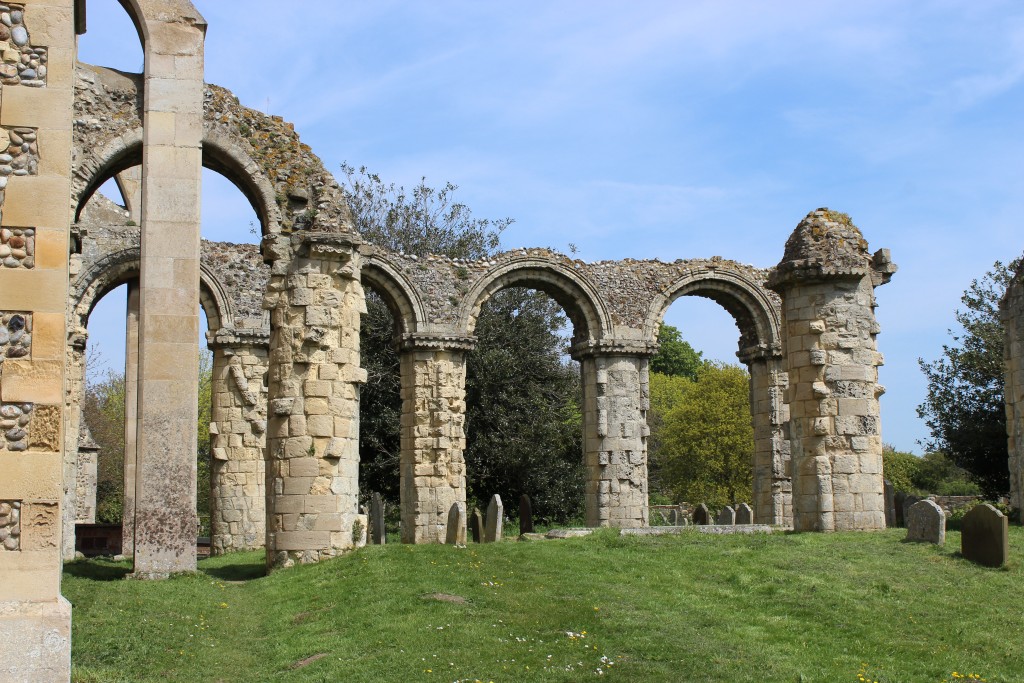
(35,171)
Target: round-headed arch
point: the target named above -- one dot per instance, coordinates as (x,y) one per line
(751,305)
(396,290)
(107,273)
(220,154)
(577,296)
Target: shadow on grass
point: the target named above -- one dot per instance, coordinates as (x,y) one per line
(97,570)
(241,571)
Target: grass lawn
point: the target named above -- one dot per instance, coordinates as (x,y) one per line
(785,607)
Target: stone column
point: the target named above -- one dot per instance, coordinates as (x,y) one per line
(237,432)
(35,214)
(131,416)
(1012,313)
(315,300)
(165,491)
(826,280)
(74,392)
(616,398)
(773,486)
(433,467)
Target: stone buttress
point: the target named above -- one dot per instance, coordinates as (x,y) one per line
(1012,314)
(827,280)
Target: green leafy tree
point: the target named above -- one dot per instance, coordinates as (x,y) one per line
(705,440)
(675,355)
(964,407)
(900,469)
(523,420)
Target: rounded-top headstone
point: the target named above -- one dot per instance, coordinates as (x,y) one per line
(926,522)
(985,536)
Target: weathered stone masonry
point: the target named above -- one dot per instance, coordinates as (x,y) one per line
(1012,313)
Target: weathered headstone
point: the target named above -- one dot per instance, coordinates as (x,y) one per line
(890,504)
(525,515)
(495,517)
(456,531)
(985,536)
(926,522)
(673,517)
(701,515)
(727,517)
(377,533)
(476,526)
(897,504)
(744,514)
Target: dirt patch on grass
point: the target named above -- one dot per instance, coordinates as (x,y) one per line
(445,597)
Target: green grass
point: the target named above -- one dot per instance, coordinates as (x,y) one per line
(786,607)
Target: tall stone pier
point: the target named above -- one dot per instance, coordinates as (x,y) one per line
(1012,313)
(826,280)
(616,398)
(312,469)
(433,438)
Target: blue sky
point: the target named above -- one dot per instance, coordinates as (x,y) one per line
(657,129)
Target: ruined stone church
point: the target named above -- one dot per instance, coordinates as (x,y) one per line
(284,323)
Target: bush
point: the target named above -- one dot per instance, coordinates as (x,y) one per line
(955,518)
(900,468)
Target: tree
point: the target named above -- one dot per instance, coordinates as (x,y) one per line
(675,355)
(523,419)
(705,439)
(964,407)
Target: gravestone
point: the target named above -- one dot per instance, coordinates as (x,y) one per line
(926,522)
(701,515)
(456,531)
(673,517)
(727,517)
(908,501)
(377,533)
(890,504)
(897,504)
(525,515)
(495,517)
(476,526)
(985,536)
(744,514)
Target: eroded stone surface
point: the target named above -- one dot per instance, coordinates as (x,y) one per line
(926,522)
(1012,314)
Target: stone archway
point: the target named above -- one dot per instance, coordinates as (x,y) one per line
(756,311)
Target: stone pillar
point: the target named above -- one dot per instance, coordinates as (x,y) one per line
(772,485)
(616,398)
(86,477)
(131,417)
(237,431)
(35,219)
(1012,313)
(432,467)
(165,490)
(826,280)
(74,392)
(315,300)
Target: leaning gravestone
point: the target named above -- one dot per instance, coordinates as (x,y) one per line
(744,514)
(926,522)
(377,534)
(897,505)
(701,515)
(908,501)
(985,536)
(727,517)
(890,504)
(456,532)
(476,526)
(495,517)
(525,515)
